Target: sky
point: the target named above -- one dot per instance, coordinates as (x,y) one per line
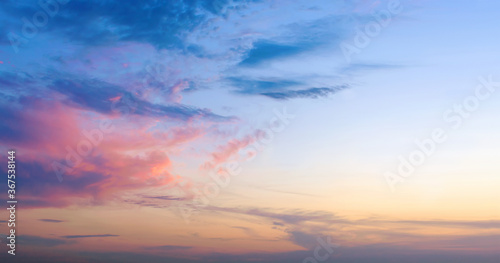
(251,131)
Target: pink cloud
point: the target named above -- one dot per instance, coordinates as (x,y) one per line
(225,152)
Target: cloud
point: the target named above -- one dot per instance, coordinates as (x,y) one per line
(290,217)
(27,240)
(484,224)
(156,201)
(303,239)
(168,247)
(248,231)
(51,220)
(296,38)
(280,89)
(54,123)
(357,67)
(108,169)
(15,81)
(303,227)
(108,99)
(267,50)
(163,24)
(312,93)
(227,151)
(89,236)
(165,197)
(387,252)
(43,189)
(245,85)
(97,179)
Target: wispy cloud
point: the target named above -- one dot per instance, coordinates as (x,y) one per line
(37,241)
(168,247)
(97,95)
(311,93)
(51,220)
(89,236)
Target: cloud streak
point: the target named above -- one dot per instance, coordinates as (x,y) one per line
(311,93)
(51,220)
(89,236)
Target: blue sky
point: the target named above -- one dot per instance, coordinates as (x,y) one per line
(190,88)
